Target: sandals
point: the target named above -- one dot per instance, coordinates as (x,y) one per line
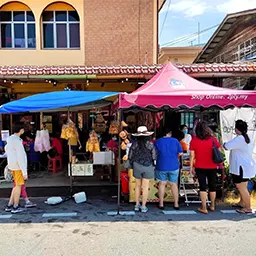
(237,206)
(244,211)
(202,211)
(212,208)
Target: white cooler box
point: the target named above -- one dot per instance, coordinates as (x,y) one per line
(81,169)
(104,158)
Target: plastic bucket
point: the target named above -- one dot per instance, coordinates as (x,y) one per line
(80,197)
(125,182)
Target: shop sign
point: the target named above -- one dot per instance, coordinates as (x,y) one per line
(5,134)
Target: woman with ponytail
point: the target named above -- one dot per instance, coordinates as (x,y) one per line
(242,164)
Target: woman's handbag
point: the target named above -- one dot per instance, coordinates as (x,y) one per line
(217,157)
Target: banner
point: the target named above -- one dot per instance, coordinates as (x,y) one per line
(227,125)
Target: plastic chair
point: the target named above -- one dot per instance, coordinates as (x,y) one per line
(55,164)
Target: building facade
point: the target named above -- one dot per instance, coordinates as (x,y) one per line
(182,55)
(78,32)
(233,41)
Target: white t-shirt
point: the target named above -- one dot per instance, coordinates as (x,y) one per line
(16,155)
(241,155)
(187,139)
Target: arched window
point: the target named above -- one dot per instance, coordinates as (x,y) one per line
(17,27)
(61,29)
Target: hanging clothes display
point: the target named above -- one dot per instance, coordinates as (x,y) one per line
(68,130)
(42,141)
(93,144)
(38,146)
(46,140)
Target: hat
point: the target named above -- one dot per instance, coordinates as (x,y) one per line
(142,131)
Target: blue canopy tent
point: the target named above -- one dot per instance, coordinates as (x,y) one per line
(61,101)
(58,101)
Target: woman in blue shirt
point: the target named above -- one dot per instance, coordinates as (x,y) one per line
(167,166)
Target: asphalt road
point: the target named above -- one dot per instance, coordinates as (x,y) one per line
(197,238)
(87,229)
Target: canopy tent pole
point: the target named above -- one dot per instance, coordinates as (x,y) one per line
(70,163)
(41,120)
(11,123)
(223,169)
(155,129)
(119,116)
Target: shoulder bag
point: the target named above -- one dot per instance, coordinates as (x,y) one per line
(217,157)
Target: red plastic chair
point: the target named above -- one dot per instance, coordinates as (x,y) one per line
(55,164)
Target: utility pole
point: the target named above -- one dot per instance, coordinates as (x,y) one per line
(198,33)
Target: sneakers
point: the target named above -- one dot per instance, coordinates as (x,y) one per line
(30,205)
(17,209)
(144,209)
(8,208)
(137,208)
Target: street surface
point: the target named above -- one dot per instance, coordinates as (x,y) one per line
(87,229)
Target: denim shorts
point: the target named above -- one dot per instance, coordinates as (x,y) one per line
(171,176)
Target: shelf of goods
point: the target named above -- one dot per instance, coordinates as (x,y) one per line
(188,186)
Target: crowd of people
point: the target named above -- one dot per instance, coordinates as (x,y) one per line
(161,160)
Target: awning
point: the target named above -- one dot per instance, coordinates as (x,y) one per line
(58,101)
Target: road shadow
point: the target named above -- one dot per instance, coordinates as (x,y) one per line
(97,210)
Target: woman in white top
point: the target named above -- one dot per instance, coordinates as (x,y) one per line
(242,164)
(187,139)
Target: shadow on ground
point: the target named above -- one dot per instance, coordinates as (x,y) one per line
(97,209)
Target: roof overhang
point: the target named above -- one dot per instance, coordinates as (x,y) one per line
(108,73)
(220,33)
(160,4)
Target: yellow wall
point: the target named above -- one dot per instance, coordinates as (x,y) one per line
(182,55)
(178,59)
(40,56)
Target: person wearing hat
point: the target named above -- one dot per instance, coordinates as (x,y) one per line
(142,155)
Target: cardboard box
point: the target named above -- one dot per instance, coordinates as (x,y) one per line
(104,158)
(81,169)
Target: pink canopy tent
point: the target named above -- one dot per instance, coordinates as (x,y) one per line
(175,89)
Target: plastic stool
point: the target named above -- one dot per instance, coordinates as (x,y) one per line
(55,164)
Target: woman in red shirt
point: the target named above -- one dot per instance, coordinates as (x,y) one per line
(201,164)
